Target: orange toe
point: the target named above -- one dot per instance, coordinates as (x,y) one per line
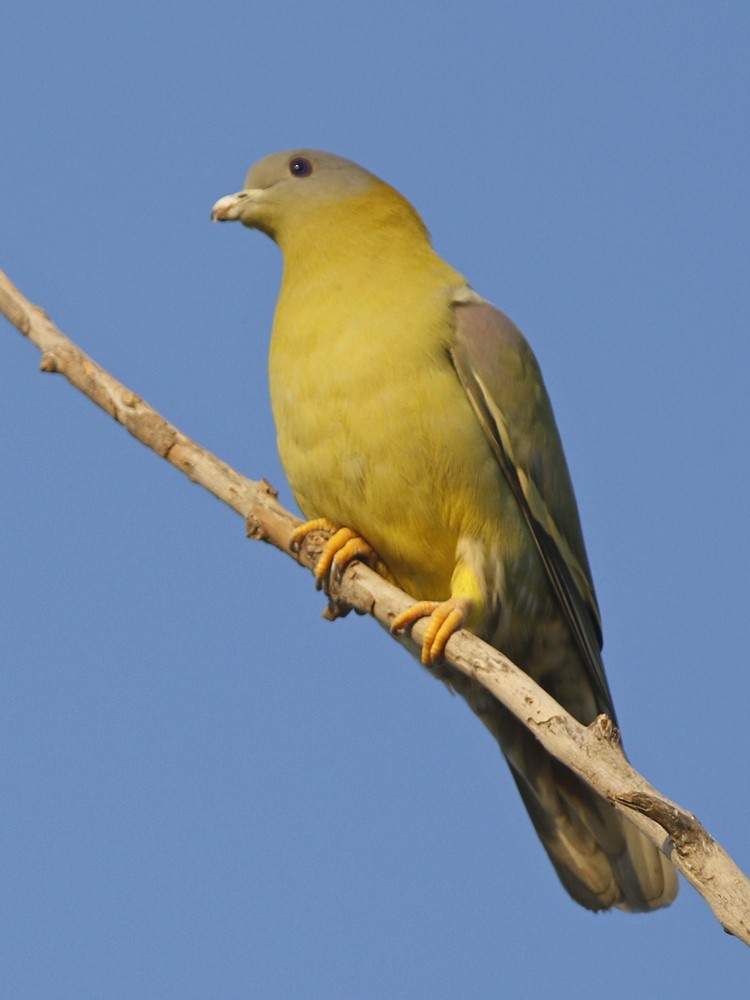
(445,618)
(353,547)
(411,615)
(337,553)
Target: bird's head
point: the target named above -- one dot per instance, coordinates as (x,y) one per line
(284,193)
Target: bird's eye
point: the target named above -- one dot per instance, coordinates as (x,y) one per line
(300,167)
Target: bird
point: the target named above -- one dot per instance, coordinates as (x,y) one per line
(413,424)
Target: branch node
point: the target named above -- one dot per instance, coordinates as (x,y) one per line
(254,529)
(684,830)
(336,609)
(48,362)
(603,728)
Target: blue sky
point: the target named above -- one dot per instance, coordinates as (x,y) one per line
(208,791)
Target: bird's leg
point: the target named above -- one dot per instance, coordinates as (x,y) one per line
(445,618)
(341,549)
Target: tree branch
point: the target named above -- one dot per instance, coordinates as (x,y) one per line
(592,752)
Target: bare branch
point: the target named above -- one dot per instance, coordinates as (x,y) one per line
(592,752)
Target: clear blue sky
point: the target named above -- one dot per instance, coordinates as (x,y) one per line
(207,790)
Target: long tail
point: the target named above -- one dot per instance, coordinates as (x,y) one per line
(600,858)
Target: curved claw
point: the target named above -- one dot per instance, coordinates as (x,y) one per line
(343,547)
(446,617)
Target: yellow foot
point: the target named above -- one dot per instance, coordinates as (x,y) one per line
(342,548)
(446,617)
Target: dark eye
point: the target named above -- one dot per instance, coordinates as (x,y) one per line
(300,167)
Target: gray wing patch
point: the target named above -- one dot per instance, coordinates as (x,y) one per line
(477,323)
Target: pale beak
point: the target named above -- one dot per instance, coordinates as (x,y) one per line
(228,208)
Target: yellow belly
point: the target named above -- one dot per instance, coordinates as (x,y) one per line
(393,451)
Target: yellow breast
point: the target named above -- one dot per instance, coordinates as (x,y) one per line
(374,429)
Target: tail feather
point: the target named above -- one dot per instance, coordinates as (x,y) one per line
(602,860)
